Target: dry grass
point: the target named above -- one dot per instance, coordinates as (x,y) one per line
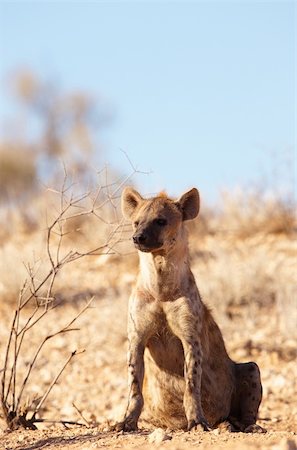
(244,257)
(253,213)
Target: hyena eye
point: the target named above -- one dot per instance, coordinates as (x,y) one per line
(136,223)
(161,222)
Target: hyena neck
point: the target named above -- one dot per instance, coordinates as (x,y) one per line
(163,274)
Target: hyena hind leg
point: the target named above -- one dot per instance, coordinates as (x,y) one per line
(247,399)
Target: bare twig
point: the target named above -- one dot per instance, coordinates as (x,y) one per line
(81,414)
(62,422)
(44,397)
(5,407)
(66,329)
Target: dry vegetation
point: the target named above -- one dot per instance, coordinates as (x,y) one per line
(244,259)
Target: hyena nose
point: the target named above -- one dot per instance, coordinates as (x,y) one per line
(139,238)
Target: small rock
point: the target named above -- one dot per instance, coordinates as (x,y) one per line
(158,436)
(286,444)
(290,444)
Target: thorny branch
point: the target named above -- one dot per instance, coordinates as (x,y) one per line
(39,293)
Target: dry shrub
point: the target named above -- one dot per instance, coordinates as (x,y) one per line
(38,295)
(246,214)
(87,224)
(242,215)
(17,170)
(244,257)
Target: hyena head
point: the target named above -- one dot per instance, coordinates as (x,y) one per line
(157,221)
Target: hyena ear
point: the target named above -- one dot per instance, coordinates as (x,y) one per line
(189,204)
(131,199)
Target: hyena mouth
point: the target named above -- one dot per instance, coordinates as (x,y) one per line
(148,248)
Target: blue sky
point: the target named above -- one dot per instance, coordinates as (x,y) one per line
(203,91)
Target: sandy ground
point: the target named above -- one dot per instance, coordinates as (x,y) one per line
(94,438)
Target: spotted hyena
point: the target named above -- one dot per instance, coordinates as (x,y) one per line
(178,364)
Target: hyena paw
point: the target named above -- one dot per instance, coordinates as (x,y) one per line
(227,426)
(126,426)
(199,425)
(254,428)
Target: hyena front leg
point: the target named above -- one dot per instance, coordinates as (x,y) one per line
(135,381)
(185,326)
(192,395)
